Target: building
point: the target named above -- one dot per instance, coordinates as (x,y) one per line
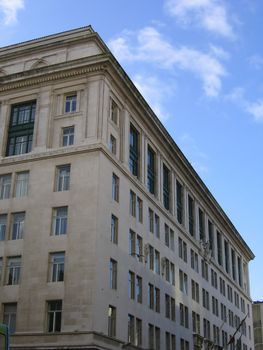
(109,238)
(257,308)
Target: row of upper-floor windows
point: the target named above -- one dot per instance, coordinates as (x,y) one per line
(11,267)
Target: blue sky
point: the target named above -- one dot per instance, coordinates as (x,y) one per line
(199,64)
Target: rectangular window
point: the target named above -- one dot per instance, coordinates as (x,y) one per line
(191,218)
(134,151)
(196,322)
(21,128)
(167,306)
(167,341)
(3,221)
(211,238)
(157,338)
(151,296)
(1,270)
(156,262)
(131,285)
(214,306)
(222,286)
(166,187)
(219,248)
(226,246)
(139,289)
(9,316)
(214,278)
(114,112)
(60,221)
(68,136)
(132,203)
(157,299)
(195,291)
(113,144)
(13,270)
(151,220)
(184,344)
(166,235)
(5,186)
(239,270)
(173,309)
(194,261)
(114,229)
(71,103)
(138,332)
(54,315)
(151,170)
(205,299)
(112,321)
(115,188)
(157,226)
(18,220)
(172,273)
(113,274)
(206,325)
(63,178)
(56,271)
(201,225)
(184,316)
(204,270)
(179,202)
(21,186)
(233,258)
(139,209)
(150,336)
(182,247)
(183,282)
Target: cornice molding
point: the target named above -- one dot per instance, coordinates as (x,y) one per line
(33,81)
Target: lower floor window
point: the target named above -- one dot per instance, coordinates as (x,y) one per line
(54,315)
(10,316)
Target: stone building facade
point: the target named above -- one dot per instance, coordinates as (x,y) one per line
(108,237)
(257,307)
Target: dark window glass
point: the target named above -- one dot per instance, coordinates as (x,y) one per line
(166,187)
(134,151)
(150,170)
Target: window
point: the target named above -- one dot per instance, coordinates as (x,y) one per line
(201,225)
(138,332)
(113,144)
(114,112)
(21,128)
(63,178)
(182,247)
(229,293)
(151,220)
(3,221)
(132,203)
(211,237)
(113,274)
(205,299)
(172,274)
(54,316)
(131,329)
(9,316)
(214,306)
(138,290)
(194,261)
(184,316)
(219,248)
(226,247)
(157,226)
(156,262)
(167,341)
(151,170)
(233,258)
(71,103)
(222,286)
(60,220)
(131,285)
(216,334)
(134,151)
(114,229)
(214,278)
(135,246)
(184,344)
(206,325)
(195,291)
(68,136)
(21,187)
(153,298)
(115,188)
(13,270)
(5,186)
(166,235)
(239,271)
(139,209)
(196,322)
(112,321)
(191,217)
(204,269)
(167,306)
(166,187)
(179,202)
(183,281)
(18,220)
(57,262)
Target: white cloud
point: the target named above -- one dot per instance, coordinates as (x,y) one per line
(9,9)
(256,110)
(256,61)
(208,14)
(151,47)
(154,92)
